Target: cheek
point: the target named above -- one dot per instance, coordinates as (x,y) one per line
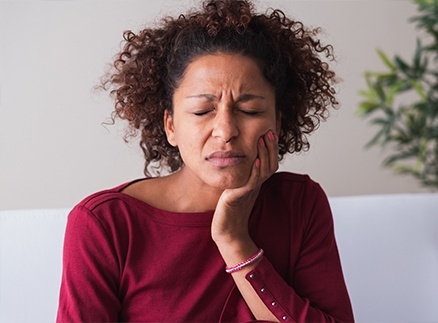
(190,143)
(263,128)
(260,131)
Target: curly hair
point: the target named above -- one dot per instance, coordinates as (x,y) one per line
(152,62)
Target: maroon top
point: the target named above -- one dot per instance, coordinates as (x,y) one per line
(125,260)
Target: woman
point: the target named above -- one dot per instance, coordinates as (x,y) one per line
(219,96)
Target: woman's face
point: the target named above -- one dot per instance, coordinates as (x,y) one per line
(221,108)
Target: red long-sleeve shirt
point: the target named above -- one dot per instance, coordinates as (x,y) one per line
(125,260)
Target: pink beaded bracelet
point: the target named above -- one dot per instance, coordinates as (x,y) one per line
(247,262)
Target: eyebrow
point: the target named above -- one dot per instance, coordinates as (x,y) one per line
(240,98)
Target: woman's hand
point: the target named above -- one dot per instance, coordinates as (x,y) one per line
(230,221)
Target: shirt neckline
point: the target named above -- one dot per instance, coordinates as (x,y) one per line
(161,215)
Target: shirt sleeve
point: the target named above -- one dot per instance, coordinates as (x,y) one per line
(316,291)
(89,285)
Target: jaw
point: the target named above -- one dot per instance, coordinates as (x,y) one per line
(216,178)
(228,177)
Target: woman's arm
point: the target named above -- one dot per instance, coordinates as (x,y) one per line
(89,278)
(318,275)
(313,288)
(230,223)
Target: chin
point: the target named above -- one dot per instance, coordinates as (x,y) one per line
(229,181)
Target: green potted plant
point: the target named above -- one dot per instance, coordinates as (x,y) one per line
(402,103)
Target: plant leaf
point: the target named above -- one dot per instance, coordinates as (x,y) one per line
(402,65)
(386,60)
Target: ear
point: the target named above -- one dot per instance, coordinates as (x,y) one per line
(169,128)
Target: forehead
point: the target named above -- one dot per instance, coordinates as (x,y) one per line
(221,70)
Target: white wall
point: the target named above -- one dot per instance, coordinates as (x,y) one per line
(54,150)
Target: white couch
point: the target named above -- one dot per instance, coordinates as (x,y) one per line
(388,246)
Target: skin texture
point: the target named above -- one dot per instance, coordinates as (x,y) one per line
(223,104)
(224,123)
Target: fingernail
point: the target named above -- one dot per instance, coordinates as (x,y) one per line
(257,162)
(261,142)
(271,135)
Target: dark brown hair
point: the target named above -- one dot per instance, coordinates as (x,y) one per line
(152,62)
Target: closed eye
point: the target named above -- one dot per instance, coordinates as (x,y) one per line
(201,113)
(250,112)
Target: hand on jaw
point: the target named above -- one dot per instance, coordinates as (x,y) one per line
(230,222)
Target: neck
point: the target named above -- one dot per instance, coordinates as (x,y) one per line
(190,195)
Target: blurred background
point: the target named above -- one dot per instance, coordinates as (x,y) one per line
(55,149)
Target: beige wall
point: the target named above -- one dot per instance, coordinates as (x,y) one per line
(54,150)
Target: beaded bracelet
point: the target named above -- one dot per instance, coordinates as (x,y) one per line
(247,262)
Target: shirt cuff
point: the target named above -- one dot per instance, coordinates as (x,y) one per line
(257,279)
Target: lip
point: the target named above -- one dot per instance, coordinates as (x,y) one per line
(225,158)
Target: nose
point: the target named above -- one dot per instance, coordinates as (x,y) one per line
(225,125)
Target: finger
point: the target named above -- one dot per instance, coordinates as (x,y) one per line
(255,174)
(263,155)
(234,196)
(272,147)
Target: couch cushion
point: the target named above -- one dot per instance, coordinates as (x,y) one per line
(389,251)
(30,264)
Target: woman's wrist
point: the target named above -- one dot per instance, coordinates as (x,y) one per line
(237,251)
(248,262)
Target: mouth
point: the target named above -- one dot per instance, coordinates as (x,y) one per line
(225,158)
